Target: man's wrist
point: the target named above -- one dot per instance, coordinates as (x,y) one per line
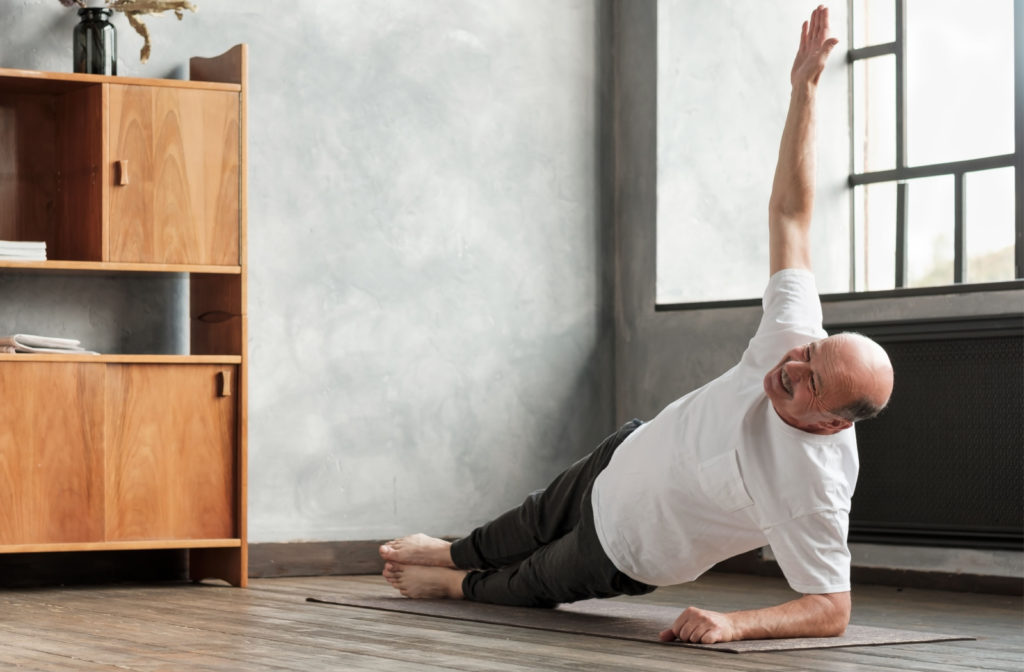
(804,90)
(736,630)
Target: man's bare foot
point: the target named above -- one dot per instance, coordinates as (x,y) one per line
(419,581)
(418,549)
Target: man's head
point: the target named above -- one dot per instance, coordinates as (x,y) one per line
(826,386)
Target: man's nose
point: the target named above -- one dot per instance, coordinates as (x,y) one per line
(795,369)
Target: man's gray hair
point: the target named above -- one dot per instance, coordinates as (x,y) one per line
(860,409)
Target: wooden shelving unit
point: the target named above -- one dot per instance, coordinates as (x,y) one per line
(115,267)
(121,177)
(123,359)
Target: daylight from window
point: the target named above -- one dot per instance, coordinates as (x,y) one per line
(930,207)
(959,106)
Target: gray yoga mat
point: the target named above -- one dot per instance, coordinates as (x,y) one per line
(620,619)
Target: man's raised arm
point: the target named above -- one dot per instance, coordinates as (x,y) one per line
(792,200)
(789,222)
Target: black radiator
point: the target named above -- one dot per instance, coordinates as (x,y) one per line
(943,465)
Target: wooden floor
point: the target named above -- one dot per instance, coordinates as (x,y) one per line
(269,626)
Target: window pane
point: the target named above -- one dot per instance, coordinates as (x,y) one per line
(930,222)
(875,236)
(874,114)
(959,80)
(989,226)
(874,22)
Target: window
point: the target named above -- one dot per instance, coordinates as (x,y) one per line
(722,95)
(918,184)
(934,149)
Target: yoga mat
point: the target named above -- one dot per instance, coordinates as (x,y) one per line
(620,619)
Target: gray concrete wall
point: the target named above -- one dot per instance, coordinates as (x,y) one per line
(430,334)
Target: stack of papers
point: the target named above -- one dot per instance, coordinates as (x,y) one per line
(23,250)
(51,344)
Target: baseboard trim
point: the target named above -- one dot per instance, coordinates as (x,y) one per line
(314,558)
(753,562)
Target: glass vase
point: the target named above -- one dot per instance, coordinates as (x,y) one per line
(95,42)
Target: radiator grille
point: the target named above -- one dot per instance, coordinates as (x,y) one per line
(944,464)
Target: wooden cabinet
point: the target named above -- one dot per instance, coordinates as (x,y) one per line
(130,451)
(174,194)
(157,488)
(51,453)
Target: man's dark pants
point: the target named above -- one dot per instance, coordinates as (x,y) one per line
(546,551)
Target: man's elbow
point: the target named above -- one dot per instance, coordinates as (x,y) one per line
(787,207)
(782,219)
(838,623)
(836,614)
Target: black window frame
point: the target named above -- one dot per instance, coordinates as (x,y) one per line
(957,169)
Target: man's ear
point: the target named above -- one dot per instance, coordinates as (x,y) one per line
(838,424)
(831,426)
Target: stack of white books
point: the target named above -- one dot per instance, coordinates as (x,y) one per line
(50,344)
(23,250)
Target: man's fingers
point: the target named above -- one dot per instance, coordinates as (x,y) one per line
(709,633)
(818,29)
(690,625)
(698,626)
(713,634)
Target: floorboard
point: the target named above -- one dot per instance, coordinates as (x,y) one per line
(270,626)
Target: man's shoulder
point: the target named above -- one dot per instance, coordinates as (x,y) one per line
(794,473)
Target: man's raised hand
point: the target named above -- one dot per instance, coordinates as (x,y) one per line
(815,46)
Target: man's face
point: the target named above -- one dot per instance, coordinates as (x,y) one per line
(811,382)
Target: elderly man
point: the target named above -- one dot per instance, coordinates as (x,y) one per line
(751,458)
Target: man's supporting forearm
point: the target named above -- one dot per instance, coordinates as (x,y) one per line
(809,616)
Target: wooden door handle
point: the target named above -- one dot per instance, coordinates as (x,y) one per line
(121,172)
(224,383)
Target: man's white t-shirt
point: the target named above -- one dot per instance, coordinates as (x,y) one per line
(718,473)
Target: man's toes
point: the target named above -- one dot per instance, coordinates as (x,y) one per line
(392,570)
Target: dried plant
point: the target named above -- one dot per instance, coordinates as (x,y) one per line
(132,9)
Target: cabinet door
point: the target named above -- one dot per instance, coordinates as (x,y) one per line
(51,452)
(174,196)
(171,452)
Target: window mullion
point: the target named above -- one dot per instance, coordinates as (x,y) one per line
(901,142)
(959,238)
(901,234)
(901,82)
(871,51)
(1018,145)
